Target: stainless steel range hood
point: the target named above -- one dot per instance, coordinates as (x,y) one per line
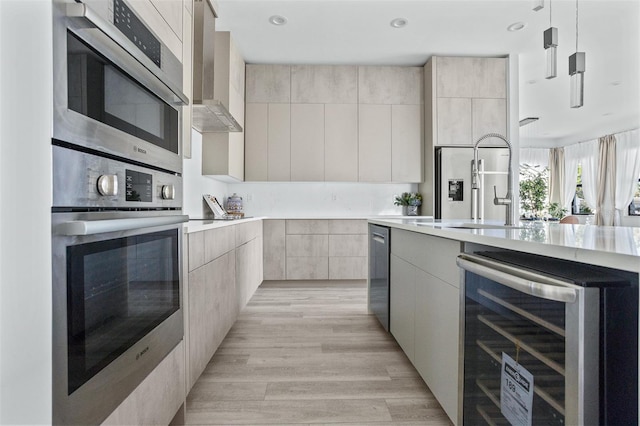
(210,114)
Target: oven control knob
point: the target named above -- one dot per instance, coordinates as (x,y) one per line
(168,192)
(108,185)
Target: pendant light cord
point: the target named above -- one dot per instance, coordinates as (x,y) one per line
(550,14)
(576,25)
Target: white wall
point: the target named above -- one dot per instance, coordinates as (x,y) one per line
(308,199)
(25,211)
(194,183)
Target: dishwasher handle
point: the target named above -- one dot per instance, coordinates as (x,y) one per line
(377,237)
(519,279)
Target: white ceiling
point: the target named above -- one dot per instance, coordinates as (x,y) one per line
(359,32)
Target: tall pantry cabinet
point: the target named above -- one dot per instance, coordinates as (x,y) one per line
(465,98)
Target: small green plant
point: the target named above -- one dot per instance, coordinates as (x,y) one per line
(408,199)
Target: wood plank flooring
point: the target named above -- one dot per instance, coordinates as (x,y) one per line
(305,353)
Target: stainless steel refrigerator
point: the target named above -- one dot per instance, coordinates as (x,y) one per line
(453,195)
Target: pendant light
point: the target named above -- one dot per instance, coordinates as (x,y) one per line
(576,73)
(550,47)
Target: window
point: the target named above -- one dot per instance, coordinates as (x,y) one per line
(579,205)
(634,207)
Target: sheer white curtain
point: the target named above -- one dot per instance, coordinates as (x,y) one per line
(535,156)
(627,170)
(572,154)
(556,175)
(589,161)
(606,191)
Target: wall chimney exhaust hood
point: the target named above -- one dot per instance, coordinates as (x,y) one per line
(210,113)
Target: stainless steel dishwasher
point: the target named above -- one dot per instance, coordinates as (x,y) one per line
(546,341)
(379,251)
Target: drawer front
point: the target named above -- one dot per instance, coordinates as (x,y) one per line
(307,226)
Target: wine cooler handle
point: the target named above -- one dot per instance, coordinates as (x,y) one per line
(519,279)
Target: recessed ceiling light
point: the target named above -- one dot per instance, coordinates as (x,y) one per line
(516,26)
(278,20)
(532,82)
(616,83)
(607,114)
(399,23)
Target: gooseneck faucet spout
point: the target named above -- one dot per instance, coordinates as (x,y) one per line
(507,201)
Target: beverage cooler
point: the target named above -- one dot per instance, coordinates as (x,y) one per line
(547,342)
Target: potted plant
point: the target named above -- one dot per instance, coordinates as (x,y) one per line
(410,202)
(556,211)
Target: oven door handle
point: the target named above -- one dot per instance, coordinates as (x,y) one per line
(157,83)
(519,279)
(92,227)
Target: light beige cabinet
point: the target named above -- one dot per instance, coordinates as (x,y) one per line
(223,153)
(470,98)
(324,84)
(224,271)
(402,293)
(341,142)
(374,154)
(390,124)
(303,249)
(341,122)
(424,309)
(307,142)
(274,244)
(465,98)
(268,142)
(268,123)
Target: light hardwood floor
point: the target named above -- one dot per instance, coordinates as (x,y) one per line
(308,353)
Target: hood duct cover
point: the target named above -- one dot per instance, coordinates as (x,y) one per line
(209,114)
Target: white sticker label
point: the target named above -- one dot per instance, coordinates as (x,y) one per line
(516,392)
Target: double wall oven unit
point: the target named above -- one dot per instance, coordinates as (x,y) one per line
(117,206)
(547,342)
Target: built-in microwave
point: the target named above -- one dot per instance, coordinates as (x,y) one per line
(117,87)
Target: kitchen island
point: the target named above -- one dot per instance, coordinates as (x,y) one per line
(426,290)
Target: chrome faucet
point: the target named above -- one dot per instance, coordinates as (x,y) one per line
(507,201)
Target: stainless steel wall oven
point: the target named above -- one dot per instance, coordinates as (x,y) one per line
(117,207)
(547,342)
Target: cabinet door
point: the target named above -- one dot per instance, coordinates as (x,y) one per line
(455,77)
(307,142)
(454,121)
(279,143)
(268,83)
(324,84)
(406,143)
(341,143)
(374,143)
(390,85)
(402,304)
(274,250)
(490,78)
(256,132)
(437,308)
(489,116)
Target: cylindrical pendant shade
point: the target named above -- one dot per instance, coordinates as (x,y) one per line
(552,63)
(577,89)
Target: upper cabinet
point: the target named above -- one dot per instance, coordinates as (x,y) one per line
(223,152)
(268,84)
(469,99)
(346,123)
(324,84)
(390,124)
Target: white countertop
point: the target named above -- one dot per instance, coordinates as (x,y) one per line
(203,225)
(612,246)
